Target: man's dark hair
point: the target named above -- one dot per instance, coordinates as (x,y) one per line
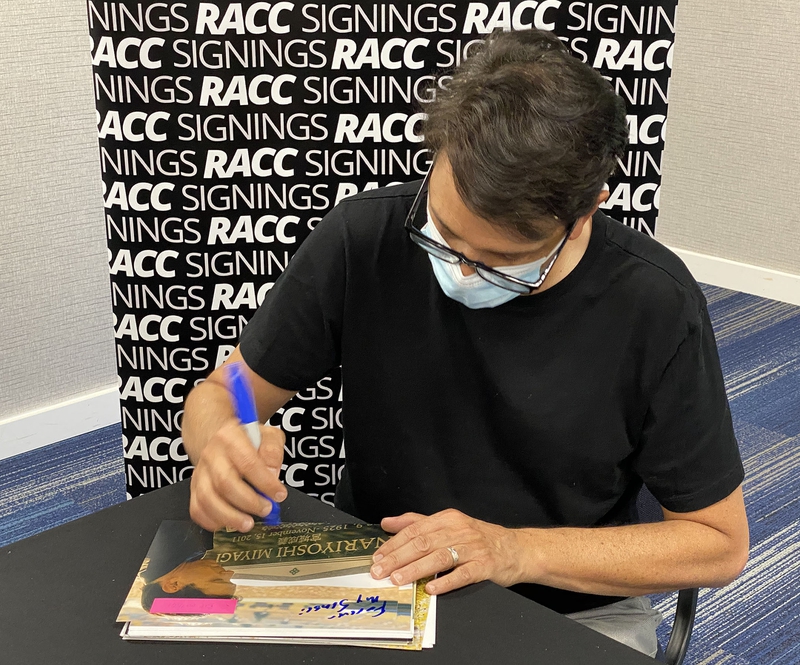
(531,132)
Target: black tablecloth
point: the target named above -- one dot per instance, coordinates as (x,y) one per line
(60,592)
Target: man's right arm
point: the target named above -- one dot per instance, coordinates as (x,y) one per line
(223,456)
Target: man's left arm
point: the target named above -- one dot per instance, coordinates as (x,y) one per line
(707,547)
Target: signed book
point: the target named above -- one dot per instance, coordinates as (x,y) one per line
(302,582)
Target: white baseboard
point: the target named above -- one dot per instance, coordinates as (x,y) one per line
(51,424)
(742,277)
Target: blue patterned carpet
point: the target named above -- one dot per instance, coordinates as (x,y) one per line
(751,622)
(754,620)
(61,482)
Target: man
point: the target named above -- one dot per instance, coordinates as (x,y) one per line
(515,363)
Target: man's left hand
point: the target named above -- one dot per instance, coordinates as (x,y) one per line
(420,549)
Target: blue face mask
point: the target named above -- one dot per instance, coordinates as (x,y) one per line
(472,290)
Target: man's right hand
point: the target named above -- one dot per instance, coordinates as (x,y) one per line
(220,493)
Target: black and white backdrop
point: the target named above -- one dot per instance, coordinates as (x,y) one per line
(228,130)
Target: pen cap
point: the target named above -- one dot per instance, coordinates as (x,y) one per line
(274,517)
(241,393)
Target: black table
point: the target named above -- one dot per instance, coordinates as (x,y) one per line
(60,592)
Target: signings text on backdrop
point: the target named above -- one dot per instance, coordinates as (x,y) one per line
(227,130)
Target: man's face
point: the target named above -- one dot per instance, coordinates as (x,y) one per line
(473,236)
(204,574)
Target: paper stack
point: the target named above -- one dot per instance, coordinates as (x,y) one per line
(294,583)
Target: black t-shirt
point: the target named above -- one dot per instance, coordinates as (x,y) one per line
(548,410)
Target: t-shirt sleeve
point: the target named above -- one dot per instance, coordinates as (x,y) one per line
(688,456)
(294,338)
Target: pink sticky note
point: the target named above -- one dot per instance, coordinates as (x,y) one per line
(193,606)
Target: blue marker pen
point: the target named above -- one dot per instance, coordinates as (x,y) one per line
(245,406)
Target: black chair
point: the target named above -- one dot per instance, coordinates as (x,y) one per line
(681,627)
(650,511)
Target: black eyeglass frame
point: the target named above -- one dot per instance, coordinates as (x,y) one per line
(427,244)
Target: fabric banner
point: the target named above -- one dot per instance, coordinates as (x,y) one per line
(228,130)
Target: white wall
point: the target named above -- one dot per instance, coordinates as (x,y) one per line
(731,167)
(56,336)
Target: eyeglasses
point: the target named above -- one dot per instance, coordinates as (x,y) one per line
(449,255)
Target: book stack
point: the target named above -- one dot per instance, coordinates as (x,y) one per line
(303,582)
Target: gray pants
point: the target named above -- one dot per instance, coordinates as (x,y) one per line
(631,621)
